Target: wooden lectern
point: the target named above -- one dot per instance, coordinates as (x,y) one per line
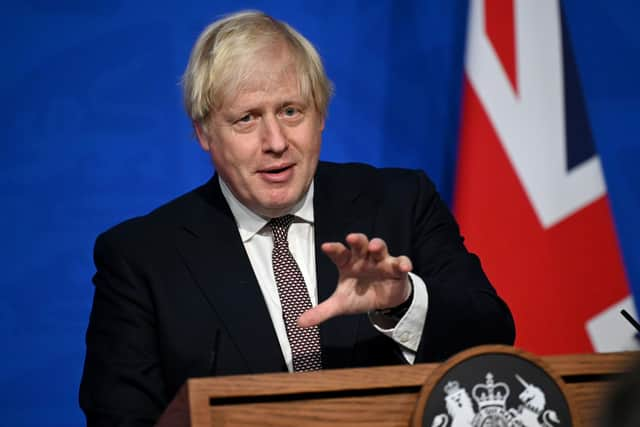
(381,396)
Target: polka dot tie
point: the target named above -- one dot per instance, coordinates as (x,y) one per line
(294,297)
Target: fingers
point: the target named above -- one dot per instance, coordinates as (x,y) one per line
(318,314)
(362,249)
(359,248)
(402,264)
(337,252)
(359,244)
(378,249)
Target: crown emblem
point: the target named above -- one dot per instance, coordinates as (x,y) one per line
(490,393)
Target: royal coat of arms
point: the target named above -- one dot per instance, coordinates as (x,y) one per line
(490,409)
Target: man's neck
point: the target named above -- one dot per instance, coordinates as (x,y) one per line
(250,222)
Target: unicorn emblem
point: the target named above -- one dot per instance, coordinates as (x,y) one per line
(531,412)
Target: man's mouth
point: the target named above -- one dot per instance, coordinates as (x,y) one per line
(277,170)
(277,174)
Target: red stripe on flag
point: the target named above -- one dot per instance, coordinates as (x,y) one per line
(554,280)
(500,28)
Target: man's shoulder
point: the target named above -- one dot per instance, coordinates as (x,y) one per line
(366,170)
(362,175)
(161,220)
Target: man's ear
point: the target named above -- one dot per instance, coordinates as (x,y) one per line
(201,134)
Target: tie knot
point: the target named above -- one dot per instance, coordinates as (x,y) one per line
(280,227)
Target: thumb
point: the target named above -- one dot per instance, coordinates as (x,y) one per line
(318,314)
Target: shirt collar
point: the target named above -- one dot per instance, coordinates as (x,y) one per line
(249,223)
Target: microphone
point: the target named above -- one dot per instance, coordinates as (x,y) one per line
(213,358)
(630,319)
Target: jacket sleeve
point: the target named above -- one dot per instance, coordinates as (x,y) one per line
(464,308)
(122,383)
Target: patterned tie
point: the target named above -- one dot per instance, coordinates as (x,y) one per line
(294,297)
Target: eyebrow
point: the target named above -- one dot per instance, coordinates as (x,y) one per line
(289,100)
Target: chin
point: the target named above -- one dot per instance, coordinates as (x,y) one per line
(275,208)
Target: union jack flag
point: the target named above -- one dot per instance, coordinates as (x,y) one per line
(530,194)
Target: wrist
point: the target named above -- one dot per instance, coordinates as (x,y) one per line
(399,311)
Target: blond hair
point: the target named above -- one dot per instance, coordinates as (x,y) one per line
(223,55)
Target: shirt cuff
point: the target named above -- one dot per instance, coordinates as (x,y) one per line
(407,331)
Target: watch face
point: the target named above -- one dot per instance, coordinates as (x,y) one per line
(495,390)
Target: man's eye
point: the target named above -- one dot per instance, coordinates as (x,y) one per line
(291,112)
(245,123)
(245,119)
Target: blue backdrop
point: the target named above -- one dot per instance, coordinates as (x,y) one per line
(93,132)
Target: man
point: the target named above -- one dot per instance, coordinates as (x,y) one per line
(222,280)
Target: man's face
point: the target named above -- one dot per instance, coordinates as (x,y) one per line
(265,139)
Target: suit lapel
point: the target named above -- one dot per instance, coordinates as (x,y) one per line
(340,208)
(211,247)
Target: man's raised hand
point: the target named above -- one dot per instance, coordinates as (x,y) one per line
(369,278)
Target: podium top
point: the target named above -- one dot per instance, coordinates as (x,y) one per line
(378,395)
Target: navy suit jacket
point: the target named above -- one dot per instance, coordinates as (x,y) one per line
(176,297)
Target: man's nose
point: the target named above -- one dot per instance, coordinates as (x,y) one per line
(273,135)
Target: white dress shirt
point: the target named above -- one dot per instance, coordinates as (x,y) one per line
(258,243)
